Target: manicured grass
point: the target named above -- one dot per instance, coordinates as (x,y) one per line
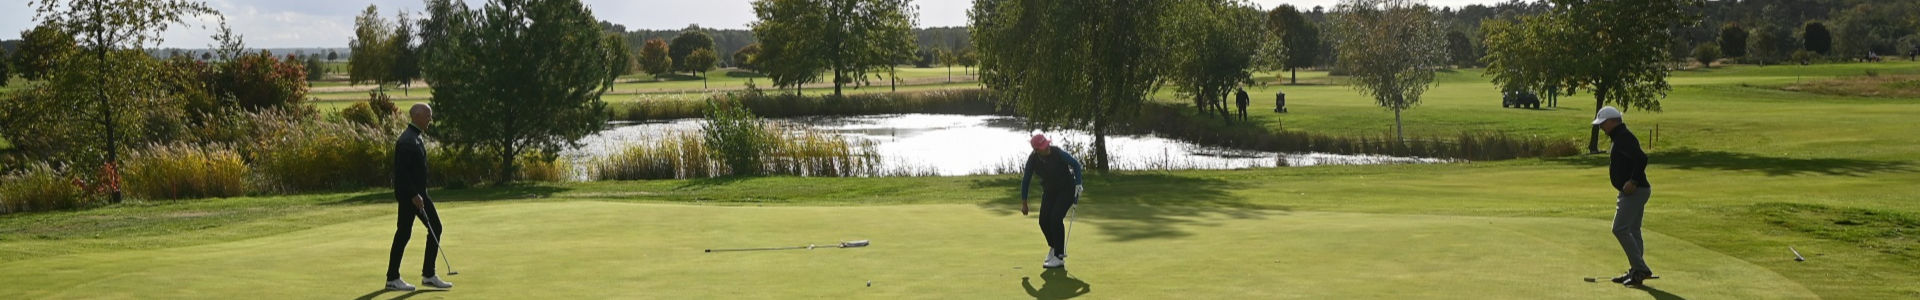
(1742,171)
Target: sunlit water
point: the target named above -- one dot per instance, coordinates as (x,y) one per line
(963,144)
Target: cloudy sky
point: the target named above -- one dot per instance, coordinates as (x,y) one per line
(329,23)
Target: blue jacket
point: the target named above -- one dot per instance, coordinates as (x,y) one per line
(1055,169)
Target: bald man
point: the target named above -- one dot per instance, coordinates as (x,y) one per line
(410,192)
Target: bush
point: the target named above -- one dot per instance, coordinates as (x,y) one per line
(1805,57)
(736,136)
(181,171)
(459,168)
(360,113)
(259,81)
(301,154)
(1706,54)
(40,187)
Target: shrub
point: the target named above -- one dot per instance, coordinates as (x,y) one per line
(302,154)
(260,81)
(180,171)
(40,187)
(1706,54)
(360,113)
(1805,57)
(736,136)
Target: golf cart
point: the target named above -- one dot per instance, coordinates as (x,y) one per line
(1519,99)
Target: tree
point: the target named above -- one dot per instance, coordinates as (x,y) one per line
(315,68)
(700,61)
(789,33)
(497,109)
(1091,82)
(946,60)
(1766,44)
(41,48)
(1299,37)
(623,62)
(1212,50)
(745,56)
(103,27)
(405,57)
(6,72)
(968,59)
(1391,48)
(259,81)
(690,40)
(1816,38)
(206,56)
(1614,63)
(654,59)
(848,37)
(1531,53)
(1733,41)
(1460,50)
(370,59)
(332,55)
(1706,54)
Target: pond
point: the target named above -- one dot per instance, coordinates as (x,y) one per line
(953,145)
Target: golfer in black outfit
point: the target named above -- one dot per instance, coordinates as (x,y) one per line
(1060,179)
(410,193)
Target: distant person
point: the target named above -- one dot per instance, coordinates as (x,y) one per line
(1060,178)
(1628,173)
(1242,100)
(410,192)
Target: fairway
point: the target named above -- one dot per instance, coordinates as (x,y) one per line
(593,249)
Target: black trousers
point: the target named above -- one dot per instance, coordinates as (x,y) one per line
(403,231)
(1053,211)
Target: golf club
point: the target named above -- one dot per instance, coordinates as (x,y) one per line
(852,244)
(432,234)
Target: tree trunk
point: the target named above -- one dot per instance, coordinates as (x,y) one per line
(1296,75)
(836,83)
(506,166)
(1593,135)
(1100,143)
(1398,131)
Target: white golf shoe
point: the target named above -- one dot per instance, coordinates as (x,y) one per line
(399,285)
(1055,261)
(436,282)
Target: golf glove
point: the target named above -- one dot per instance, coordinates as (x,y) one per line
(1077,189)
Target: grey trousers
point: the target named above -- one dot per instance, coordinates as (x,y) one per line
(1627,212)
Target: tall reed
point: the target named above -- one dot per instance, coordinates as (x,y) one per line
(181,171)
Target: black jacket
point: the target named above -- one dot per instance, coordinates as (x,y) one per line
(1629,162)
(410,166)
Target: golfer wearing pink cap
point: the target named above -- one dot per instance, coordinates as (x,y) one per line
(1060,181)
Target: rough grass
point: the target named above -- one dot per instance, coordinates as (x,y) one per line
(1894,86)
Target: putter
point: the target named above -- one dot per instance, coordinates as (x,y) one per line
(436,239)
(851,244)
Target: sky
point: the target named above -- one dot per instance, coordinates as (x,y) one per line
(329,23)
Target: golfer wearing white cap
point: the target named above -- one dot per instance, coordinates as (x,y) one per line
(1628,172)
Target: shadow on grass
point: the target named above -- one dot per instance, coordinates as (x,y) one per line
(377,293)
(1690,159)
(466,195)
(1659,294)
(1130,207)
(1057,285)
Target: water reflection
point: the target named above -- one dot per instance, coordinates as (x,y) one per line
(967,144)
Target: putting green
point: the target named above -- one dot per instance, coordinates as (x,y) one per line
(597,250)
